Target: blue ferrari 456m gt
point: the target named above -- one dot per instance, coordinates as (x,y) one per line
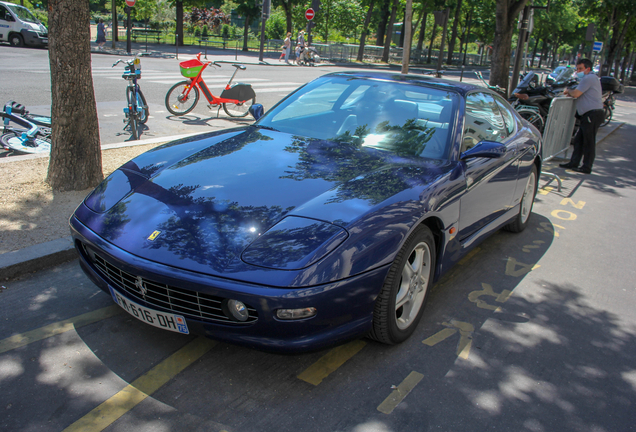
(329,218)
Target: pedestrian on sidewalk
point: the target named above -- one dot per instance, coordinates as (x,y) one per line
(286,48)
(101,34)
(300,44)
(589,109)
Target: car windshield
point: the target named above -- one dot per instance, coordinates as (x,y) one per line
(23,13)
(406,119)
(565,74)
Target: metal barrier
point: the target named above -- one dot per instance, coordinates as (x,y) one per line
(557,133)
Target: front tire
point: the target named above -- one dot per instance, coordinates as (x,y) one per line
(16,40)
(238,110)
(527,200)
(400,305)
(534,118)
(176,100)
(132,115)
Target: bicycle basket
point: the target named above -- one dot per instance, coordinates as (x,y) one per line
(190,68)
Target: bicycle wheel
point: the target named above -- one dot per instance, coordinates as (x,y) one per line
(141,102)
(13,141)
(176,100)
(533,117)
(141,105)
(240,109)
(132,114)
(608,116)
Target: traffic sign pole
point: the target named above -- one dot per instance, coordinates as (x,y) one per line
(309,15)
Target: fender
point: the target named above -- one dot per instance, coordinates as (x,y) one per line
(240,92)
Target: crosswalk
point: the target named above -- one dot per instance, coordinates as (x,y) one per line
(215,82)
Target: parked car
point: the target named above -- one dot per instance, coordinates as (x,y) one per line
(20,27)
(327,219)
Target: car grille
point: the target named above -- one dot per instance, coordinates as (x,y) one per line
(190,304)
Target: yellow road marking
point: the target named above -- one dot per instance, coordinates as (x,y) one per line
(468,257)
(125,400)
(400,392)
(517,268)
(465,336)
(59,327)
(331,361)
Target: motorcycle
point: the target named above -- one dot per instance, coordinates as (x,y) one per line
(532,100)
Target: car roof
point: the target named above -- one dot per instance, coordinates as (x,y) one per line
(442,84)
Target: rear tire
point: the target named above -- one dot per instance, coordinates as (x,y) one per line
(608,116)
(238,110)
(177,103)
(525,206)
(145,112)
(13,139)
(400,305)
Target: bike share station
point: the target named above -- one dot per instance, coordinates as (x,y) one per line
(557,134)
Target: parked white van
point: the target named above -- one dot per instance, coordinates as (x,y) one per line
(20,27)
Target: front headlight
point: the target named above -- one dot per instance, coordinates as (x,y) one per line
(294,243)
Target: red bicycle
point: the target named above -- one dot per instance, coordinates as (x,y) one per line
(183,96)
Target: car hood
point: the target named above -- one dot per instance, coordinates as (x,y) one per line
(198,205)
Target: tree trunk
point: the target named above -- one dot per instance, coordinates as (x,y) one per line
(626,60)
(451,43)
(384,19)
(506,17)
(113,29)
(430,45)
(246,29)
(544,52)
(389,33)
(420,39)
(365,28)
(179,31)
(534,51)
(287,7)
(76,158)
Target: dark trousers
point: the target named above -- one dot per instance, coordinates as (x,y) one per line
(585,139)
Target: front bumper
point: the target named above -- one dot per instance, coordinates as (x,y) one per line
(344,308)
(33,38)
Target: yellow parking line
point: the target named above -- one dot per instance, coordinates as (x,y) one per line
(331,361)
(400,393)
(125,400)
(26,338)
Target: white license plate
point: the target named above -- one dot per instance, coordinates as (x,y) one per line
(163,320)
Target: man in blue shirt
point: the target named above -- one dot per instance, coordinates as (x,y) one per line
(589,107)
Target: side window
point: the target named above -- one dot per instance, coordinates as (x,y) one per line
(483,121)
(4,14)
(508,116)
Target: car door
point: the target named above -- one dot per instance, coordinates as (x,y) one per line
(490,182)
(5,23)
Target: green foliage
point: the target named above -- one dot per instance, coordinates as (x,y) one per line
(226,31)
(276,25)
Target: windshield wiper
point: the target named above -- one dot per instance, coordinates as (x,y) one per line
(265,127)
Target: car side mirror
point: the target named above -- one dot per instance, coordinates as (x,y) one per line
(485,149)
(257,111)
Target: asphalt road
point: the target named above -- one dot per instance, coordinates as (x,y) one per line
(531,332)
(26,79)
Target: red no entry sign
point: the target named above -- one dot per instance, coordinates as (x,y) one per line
(130,3)
(309,14)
